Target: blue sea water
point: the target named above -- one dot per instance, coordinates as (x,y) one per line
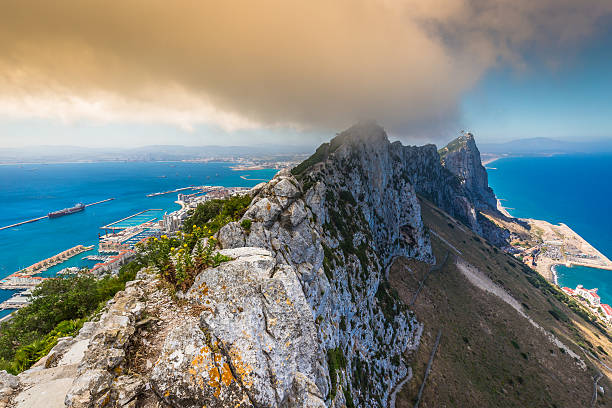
(32,190)
(575,190)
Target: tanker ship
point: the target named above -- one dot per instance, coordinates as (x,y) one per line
(77,207)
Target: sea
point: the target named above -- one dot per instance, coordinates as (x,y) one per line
(572,189)
(29,191)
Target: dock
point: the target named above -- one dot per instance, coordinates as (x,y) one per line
(110,226)
(46,216)
(18,281)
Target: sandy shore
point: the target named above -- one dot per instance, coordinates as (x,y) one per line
(490,159)
(502,209)
(553,272)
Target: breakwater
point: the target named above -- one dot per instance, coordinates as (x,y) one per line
(46,216)
(54,260)
(176,190)
(23,222)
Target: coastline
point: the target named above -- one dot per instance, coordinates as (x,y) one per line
(553,271)
(245,177)
(490,159)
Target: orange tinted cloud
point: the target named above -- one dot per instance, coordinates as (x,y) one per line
(316,63)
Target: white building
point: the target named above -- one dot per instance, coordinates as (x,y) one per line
(607,311)
(589,294)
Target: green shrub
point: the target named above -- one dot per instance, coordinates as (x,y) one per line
(559,315)
(349,398)
(214,214)
(59,308)
(335,361)
(246,224)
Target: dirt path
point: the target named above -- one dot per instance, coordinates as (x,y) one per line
(480,280)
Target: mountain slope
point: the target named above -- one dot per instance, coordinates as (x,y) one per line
(490,353)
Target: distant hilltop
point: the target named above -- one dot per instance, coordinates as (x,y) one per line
(545,146)
(59,154)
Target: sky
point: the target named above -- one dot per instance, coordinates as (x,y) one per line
(142,72)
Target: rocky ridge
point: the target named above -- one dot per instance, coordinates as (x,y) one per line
(339,223)
(303,316)
(454,179)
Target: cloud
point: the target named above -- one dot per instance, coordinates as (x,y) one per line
(245,64)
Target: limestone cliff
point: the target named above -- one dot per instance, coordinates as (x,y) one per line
(462,158)
(456,181)
(337,222)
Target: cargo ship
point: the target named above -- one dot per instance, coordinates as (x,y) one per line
(77,207)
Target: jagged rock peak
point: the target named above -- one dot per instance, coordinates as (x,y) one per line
(365,136)
(464,142)
(462,158)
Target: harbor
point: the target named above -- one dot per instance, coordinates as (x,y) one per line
(29,243)
(115,247)
(116,225)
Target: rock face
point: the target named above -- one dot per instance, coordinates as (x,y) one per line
(462,158)
(454,180)
(255,343)
(336,223)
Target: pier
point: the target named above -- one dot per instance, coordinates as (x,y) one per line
(245,177)
(55,259)
(99,202)
(170,191)
(46,216)
(18,281)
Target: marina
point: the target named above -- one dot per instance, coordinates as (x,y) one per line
(118,226)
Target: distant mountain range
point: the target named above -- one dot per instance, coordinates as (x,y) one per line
(53,154)
(545,146)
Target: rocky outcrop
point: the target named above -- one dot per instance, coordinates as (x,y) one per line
(255,343)
(338,222)
(462,158)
